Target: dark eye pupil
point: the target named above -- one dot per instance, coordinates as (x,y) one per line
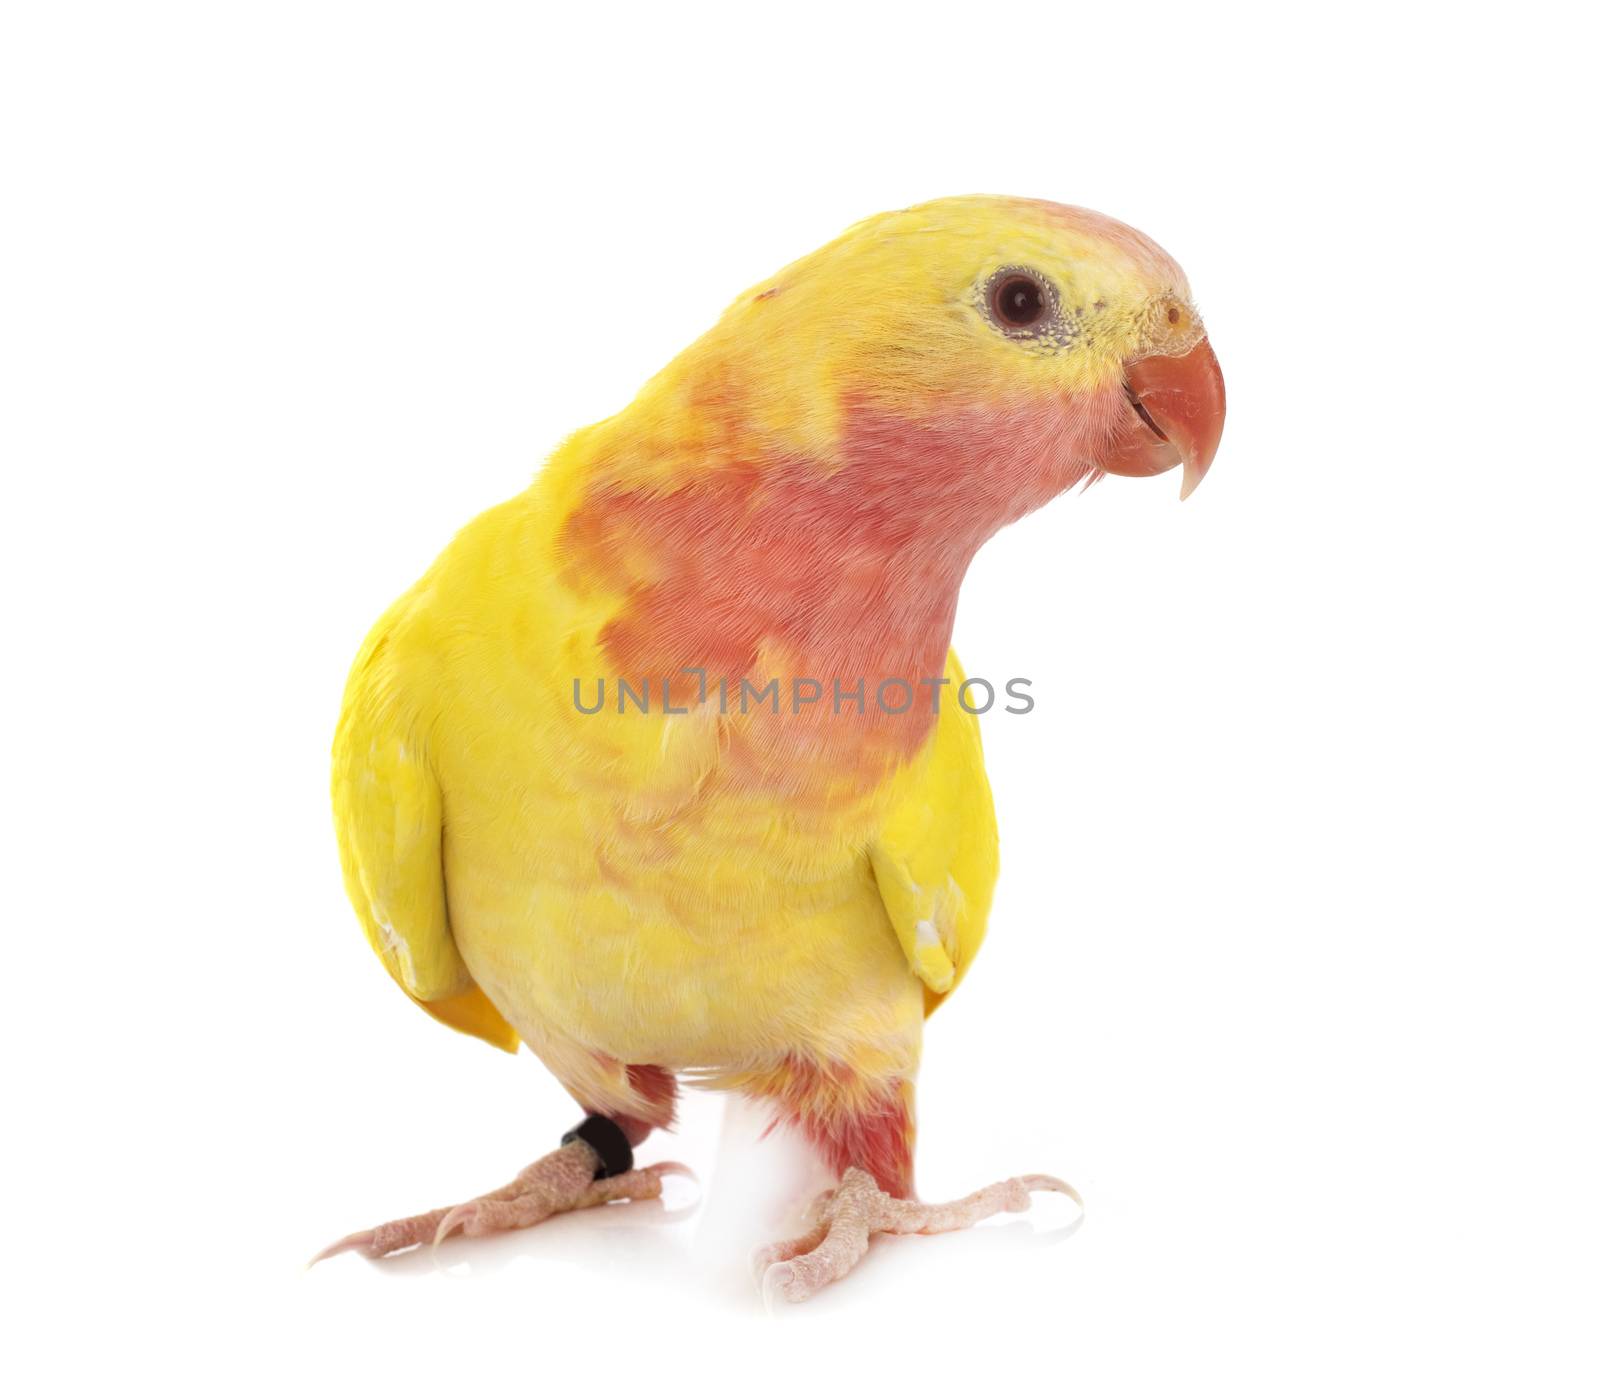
(1019,301)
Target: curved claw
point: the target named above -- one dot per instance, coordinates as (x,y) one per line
(673,1168)
(361,1242)
(780,1283)
(1054,1183)
(462,1217)
(761,1258)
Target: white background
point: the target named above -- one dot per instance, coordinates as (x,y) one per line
(1293,965)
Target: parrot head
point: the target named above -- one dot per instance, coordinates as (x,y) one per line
(964,360)
(806,484)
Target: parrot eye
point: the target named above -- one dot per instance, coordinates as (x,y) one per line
(1020,299)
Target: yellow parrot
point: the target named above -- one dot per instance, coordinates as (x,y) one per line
(665,767)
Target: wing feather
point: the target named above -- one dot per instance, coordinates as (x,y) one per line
(938,855)
(389,814)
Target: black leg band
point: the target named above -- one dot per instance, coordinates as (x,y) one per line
(607,1141)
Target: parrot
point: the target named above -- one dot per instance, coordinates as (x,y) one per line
(661,770)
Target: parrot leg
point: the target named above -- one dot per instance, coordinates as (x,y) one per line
(566,1179)
(849,1215)
(865,1133)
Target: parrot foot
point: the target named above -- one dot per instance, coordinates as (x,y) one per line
(561,1181)
(847,1217)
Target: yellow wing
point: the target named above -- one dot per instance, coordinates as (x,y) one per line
(389,815)
(938,854)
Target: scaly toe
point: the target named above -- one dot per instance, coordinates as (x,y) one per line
(764,1258)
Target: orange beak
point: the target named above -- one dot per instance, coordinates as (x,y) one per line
(1180,404)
